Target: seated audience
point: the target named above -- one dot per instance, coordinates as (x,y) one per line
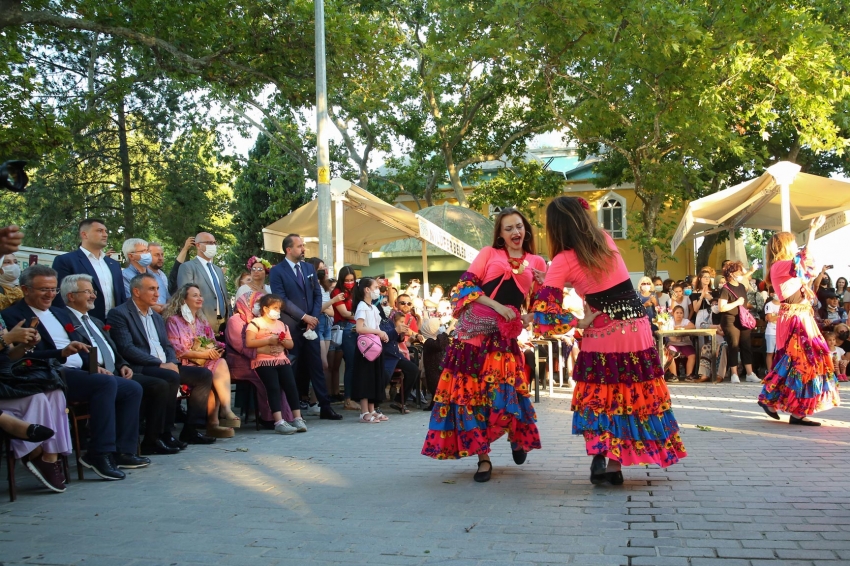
(830,312)
(710,319)
(660,295)
(258,271)
(433,351)
(837,354)
(842,333)
(681,346)
(397,333)
(159,394)
(10,290)
(195,346)
(678,298)
(240,356)
(113,401)
(647,296)
(140,335)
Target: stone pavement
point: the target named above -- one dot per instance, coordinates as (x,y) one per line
(753,491)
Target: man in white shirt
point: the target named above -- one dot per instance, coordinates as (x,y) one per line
(113,401)
(91,259)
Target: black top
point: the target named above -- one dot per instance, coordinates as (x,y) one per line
(737,291)
(508,293)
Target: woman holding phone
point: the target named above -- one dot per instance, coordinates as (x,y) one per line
(195,344)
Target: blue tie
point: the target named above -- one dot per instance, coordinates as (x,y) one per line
(299,276)
(219,295)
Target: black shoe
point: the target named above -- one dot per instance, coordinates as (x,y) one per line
(329,414)
(192,436)
(794,420)
(102,465)
(519,456)
(597,470)
(35,433)
(480,476)
(771,414)
(158,447)
(130,461)
(615,478)
(429,408)
(172,442)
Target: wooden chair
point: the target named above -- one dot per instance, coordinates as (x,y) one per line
(77,412)
(397,380)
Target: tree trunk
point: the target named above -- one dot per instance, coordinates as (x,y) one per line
(124,157)
(704,251)
(363,182)
(454,176)
(650,220)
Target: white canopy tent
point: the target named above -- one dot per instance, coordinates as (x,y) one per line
(362,224)
(780,199)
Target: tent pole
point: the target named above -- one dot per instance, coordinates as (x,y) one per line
(339,255)
(784,174)
(785,207)
(426,291)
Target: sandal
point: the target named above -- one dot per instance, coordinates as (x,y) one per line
(220,432)
(349,405)
(367,418)
(399,407)
(229,420)
(380,417)
(697,379)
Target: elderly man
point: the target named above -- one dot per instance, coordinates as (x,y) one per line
(296,282)
(155,269)
(139,333)
(113,401)
(210,280)
(138,258)
(91,258)
(159,395)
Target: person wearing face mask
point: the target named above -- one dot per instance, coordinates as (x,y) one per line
(344,320)
(275,369)
(203,272)
(369,380)
(678,298)
(647,297)
(195,345)
(139,258)
(842,334)
(10,291)
(240,358)
(733,297)
(660,295)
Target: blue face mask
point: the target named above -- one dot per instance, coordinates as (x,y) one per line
(145,259)
(688,292)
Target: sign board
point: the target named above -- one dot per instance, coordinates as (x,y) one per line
(433,234)
(835,222)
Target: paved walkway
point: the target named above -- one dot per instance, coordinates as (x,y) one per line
(753,491)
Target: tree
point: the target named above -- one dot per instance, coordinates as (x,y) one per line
(522,184)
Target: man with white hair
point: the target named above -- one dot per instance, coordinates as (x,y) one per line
(203,272)
(139,257)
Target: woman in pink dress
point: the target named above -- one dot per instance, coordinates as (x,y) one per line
(195,344)
(620,402)
(802,381)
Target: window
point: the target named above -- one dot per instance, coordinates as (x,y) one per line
(611,212)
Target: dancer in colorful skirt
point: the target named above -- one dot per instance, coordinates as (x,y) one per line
(483,392)
(620,402)
(802,381)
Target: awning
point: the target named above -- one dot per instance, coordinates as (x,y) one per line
(758,204)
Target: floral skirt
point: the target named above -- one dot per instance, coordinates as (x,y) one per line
(802,381)
(621,404)
(482,394)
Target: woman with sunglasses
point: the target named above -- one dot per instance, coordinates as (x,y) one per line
(258,269)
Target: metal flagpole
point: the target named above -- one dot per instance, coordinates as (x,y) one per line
(323,176)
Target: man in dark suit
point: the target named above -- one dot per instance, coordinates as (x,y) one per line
(296,282)
(113,401)
(139,333)
(159,395)
(91,259)
(209,278)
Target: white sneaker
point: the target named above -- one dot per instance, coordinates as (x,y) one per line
(752,378)
(314,410)
(298,424)
(735,378)
(285,428)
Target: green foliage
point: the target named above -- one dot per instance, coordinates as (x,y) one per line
(523,184)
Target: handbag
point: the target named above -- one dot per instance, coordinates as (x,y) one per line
(29,376)
(370,346)
(744,316)
(336,334)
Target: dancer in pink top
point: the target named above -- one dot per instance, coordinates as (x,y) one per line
(620,403)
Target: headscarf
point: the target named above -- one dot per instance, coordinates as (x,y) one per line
(430,328)
(245,305)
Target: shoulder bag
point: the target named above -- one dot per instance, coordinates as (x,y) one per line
(29,376)
(744,315)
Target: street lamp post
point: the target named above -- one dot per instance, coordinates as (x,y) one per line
(323,171)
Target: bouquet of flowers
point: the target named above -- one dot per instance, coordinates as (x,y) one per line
(664,318)
(202,343)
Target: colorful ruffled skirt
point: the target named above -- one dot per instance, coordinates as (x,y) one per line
(802,381)
(621,404)
(482,395)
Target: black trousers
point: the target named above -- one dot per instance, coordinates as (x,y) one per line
(196,377)
(159,401)
(114,408)
(307,366)
(277,378)
(410,371)
(738,340)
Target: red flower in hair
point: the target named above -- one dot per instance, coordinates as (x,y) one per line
(69,328)
(584,204)
(106,328)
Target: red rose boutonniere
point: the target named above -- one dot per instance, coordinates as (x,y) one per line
(69,328)
(106,328)
(28,363)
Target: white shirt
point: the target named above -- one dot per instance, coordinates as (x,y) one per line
(104,276)
(770,308)
(150,330)
(836,354)
(84,330)
(206,271)
(370,315)
(59,335)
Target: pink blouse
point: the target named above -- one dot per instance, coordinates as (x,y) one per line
(182,336)
(492,263)
(264,331)
(565,268)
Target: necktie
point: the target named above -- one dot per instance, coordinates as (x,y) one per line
(299,276)
(218,294)
(101,344)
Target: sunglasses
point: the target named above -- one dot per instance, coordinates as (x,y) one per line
(404,304)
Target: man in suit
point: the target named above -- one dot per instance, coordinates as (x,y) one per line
(139,333)
(91,259)
(296,282)
(210,280)
(113,401)
(159,395)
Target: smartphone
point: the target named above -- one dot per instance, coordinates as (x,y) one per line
(34,322)
(33,259)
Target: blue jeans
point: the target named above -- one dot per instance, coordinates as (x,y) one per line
(349,346)
(324,328)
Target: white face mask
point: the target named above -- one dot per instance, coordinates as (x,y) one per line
(658,288)
(376,294)
(715,309)
(256,309)
(274,314)
(210,251)
(12,271)
(388,310)
(187,313)
(739,278)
